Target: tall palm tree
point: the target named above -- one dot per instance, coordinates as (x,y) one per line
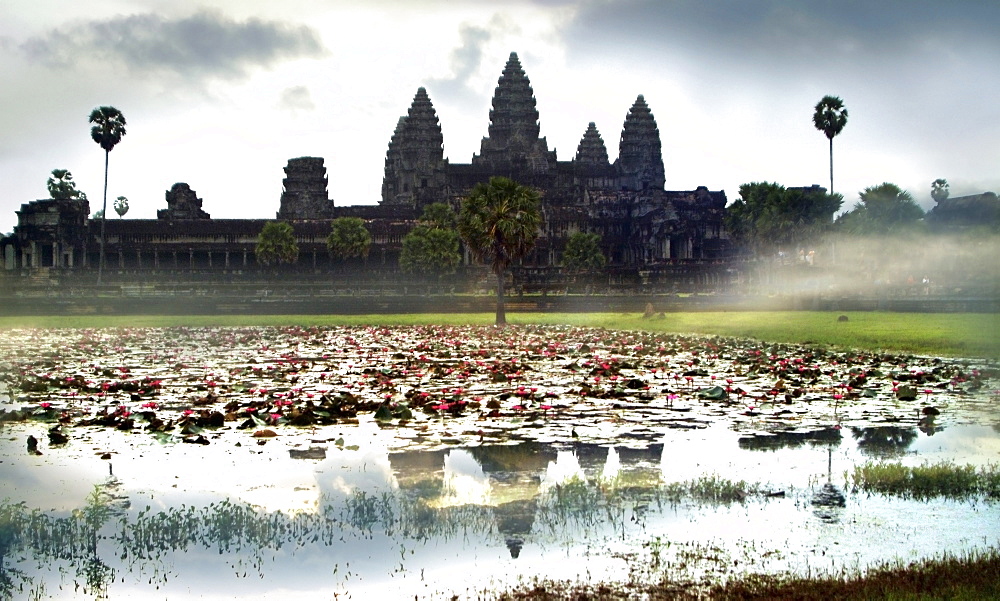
(939,189)
(830,118)
(108,129)
(499,223)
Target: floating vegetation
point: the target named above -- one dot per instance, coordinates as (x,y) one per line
(437,385)
(944,479)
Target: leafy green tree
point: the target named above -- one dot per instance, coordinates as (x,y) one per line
(583,253)
(429,251)
(439,215)
(62,187)
(882,209)
(432,246)
(830,117)
(499,223)
(276,244)
(107,131)
(939,190)
(349,238)
(768,215)
(121,206)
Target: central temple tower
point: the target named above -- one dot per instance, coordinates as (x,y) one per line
(513,145)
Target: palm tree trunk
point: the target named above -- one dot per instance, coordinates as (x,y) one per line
(831,165)
(104,215)
(501,313)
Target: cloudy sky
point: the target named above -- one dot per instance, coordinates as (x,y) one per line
(221,94)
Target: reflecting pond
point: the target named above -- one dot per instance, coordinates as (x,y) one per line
(338,463)
(171,521)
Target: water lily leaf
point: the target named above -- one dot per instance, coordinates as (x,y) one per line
(715,393)
(383,413)
(164,437)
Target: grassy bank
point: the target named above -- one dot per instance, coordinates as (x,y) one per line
(975,576)
(939,334)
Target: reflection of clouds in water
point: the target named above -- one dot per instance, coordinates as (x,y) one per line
(613,465)
(344,472)
(977,445)
(566,467)
(464,481)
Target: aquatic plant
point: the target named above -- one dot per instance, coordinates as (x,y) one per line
(943,479)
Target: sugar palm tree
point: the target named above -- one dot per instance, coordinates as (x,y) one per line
(939,189)
(499,223)
(830,118)
(108,129)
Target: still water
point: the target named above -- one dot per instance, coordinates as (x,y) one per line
(346,515)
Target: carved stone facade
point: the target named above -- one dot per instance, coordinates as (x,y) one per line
(640,223)
(304,194)
(182,203)
(642,226)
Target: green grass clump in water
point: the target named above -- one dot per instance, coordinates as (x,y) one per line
(935,334)
(711,489)
(928,481)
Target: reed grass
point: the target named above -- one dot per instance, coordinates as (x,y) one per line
(975,575)
(972,576)
(712,489)
(943,479)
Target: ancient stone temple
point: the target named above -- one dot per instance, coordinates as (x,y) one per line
(645,231)
(640,223)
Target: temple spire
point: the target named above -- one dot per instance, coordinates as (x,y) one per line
(640,162)
(592,150)
(414,161)
(513,144)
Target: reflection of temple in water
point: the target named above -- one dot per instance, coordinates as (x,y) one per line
(508,478)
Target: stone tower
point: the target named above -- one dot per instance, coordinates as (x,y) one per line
(513,146)
(414,163)
(640,162)
(592,155)
(304,194)
(182,203)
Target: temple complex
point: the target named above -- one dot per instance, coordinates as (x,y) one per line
(643,227)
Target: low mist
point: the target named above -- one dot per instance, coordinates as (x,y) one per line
(896,265)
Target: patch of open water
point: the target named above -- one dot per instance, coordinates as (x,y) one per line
(572,473)
(252,521)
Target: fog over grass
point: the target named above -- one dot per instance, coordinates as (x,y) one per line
(953,264)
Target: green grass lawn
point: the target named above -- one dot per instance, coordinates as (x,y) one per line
(939,334)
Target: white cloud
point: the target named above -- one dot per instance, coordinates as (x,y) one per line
(223,99)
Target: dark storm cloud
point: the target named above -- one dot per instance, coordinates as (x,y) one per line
(206,43)
(466,60)
(780,34)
